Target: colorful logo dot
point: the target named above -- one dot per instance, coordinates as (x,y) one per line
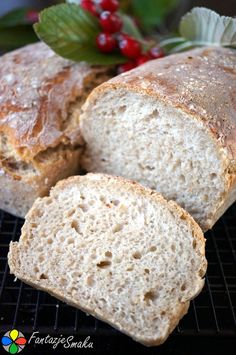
(13,341)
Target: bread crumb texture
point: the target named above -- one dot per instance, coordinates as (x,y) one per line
(116,250)
(170,125)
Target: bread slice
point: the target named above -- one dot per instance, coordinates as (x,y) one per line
(116,250)
(41,95)
(170,125)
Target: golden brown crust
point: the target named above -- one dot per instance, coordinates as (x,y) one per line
(37,92)
(202,82)
(36,87)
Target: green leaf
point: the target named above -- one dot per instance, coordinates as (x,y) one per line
(18,36)
(14,18)
(130,27)
(152,12)
(71,32)
(203,27)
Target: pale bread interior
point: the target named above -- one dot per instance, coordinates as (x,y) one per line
(116,250)
(142,138)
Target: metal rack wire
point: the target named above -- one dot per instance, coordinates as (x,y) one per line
(212,313)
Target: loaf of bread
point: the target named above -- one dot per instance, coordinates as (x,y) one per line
(116,250)
(171,125)
(40,99)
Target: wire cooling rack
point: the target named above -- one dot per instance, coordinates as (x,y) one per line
(211,313)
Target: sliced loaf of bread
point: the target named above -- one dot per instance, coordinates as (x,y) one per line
(116,250)
(170,124)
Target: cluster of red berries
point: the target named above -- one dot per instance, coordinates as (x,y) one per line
(112,39)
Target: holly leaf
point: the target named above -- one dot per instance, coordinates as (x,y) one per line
(205,27)
(71,32)
(153,12)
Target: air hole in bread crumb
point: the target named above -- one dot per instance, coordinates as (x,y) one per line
(122,109)
(90,281)
(115,202)
(48,201)
(213,176)
(75,226)
(41,258)
(194,244)
(38,213)
(137,255)
(70,241)
(108,254)
(173,248)
(150,296)
(49,241)
(153,248)
(154,114)
(104,264)
(150,168)
(83,207)
(182,178)
(43,277)
(147,271)
(183,287)
(130,268)
(102,199)
(63,281)
(117,228)
(36,269)
(103,301)
(201,272)
(163,313)
(71,212)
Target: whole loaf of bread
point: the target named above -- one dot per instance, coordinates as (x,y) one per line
(171,125)
(40,99)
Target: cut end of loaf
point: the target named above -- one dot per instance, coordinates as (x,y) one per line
(116,250)
(132,133)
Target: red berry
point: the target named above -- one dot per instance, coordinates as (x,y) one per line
(156,52)
(129,46)
(125,67)
(32,16)
(109,5)
(142,59)
(105,42)
(89,6)
(110,22)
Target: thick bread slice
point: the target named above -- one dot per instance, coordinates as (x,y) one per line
(116,250)
(170,124)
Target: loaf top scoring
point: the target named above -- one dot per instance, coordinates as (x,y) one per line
(36,87)
(201,82)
